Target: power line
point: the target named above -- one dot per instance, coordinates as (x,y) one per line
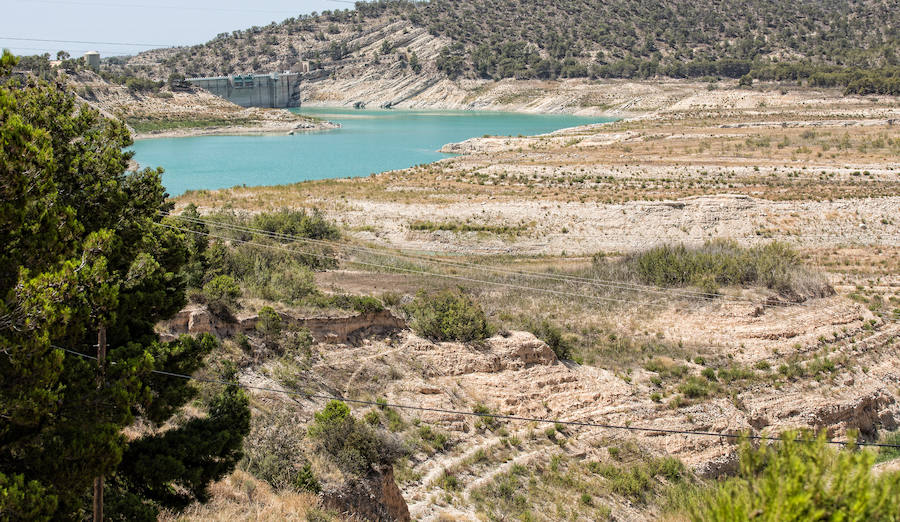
(498,416)
(54,50)
(456,264)
(171,7)
(775,236)
(461,278)
(596,282)
(422,272)
(83,42)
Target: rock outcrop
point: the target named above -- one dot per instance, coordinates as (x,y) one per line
(197,319)
(375,497)
(517,350)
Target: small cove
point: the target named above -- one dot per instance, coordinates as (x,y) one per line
(369,141)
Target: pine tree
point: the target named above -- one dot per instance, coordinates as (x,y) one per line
(82,250)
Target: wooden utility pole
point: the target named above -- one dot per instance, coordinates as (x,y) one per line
(101,367)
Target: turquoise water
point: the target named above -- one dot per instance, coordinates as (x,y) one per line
(369,141)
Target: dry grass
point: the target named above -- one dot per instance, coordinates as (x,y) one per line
(241,497)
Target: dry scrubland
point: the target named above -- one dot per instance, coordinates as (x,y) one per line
(814,346)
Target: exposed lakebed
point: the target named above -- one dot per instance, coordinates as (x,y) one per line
(368,141)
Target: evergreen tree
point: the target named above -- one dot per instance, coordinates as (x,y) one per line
(81,251)
(414,63)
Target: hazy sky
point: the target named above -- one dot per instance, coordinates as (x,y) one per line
(155,22)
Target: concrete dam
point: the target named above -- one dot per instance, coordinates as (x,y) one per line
(254,90)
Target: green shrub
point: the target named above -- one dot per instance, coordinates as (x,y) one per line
(666,369)
(447,316)
(363,304)
(298,342)
(272,274)
(736,373)
(221,294)
(350,443)
(554,338)
(243,342)
(669,467)
(485,421)
(886,453)
(435,439)
(273,449)
(306,481)
(448,481)
(803,479)
(372,418)
(694,387)
(632,482)
(296,223)
(394,420)
(269,323)
(390,298)
(358,303)
(291,284)
(774,265)
(430,226)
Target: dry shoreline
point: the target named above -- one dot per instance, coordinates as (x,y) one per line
(267,128)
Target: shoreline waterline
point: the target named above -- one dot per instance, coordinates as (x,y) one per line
(369,141)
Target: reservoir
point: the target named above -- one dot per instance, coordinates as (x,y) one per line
(369,141)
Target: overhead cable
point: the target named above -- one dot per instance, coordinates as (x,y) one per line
(596,282)
(422,272)
(582,424)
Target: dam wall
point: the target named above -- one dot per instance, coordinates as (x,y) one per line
(254,90)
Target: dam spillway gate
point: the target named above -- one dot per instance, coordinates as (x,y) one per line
(272,90)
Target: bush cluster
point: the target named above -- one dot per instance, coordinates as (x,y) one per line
(271,274)
(774,265)
(274,451)
(448,315)
(351,443)
(221,294)
(635,482)
(553,336)
(300,223)
(363,304)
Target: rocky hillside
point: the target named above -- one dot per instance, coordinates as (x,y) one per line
(455,467)
(825,43)
(165,111)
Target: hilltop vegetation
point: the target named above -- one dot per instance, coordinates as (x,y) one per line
(826,44)
(512,38)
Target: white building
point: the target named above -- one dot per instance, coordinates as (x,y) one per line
(92,59)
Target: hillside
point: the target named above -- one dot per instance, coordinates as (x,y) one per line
(157,108)
(563,209)
(828,43)
(559,235)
